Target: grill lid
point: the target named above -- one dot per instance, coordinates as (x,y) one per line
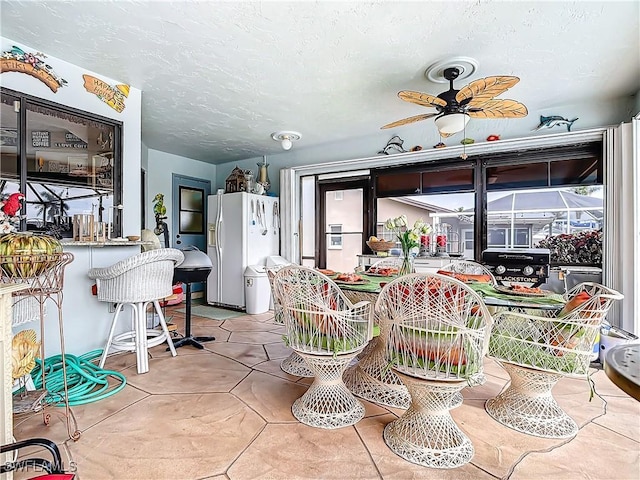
(194,259)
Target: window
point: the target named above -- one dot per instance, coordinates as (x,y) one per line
(191,210)
(65,161)
(335,236)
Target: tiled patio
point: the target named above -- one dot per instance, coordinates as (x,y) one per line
(225,413)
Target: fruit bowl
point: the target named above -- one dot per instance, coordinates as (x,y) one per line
(380,245)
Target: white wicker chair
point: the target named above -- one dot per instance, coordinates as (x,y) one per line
(328,331)
(137,281)
(438,335)
(294,364)
(537,351)
(469,267)
(387,262)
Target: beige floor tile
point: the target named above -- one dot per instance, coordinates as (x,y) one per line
(277,350)
(295,451)
(246,353)
(596,453)
(622,416)
(255,337)
(168,436)
(270,396)
(204,373)
(248,324)
(272,367)
(496,446)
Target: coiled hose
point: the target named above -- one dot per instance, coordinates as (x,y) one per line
(86,382)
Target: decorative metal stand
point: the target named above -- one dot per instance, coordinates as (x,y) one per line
(44,275)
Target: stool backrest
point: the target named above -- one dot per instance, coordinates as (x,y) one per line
(144,277)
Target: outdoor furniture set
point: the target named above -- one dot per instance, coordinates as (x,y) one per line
(435,331)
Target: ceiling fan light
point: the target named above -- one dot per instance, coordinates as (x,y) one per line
(451,123)
(286,143)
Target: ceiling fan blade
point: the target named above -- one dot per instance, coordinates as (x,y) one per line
(423,99)
(484,89)
(500,109)
(406,121)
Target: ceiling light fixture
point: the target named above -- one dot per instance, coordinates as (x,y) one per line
(450,123)
(286,138)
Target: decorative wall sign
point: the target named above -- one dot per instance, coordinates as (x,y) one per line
(40,139)
(111,95)
(17,60)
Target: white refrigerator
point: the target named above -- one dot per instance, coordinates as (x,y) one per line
(243,230)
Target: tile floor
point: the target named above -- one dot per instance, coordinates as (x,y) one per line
(225,413)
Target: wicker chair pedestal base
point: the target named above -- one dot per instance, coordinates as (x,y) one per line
(426,433)
(295,365)
(372,378)
(527,404)
(328,403)
(139,339)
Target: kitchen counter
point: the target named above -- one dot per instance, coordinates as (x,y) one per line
(108,243)
(86,320)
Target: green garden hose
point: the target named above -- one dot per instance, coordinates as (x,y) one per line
(86,382)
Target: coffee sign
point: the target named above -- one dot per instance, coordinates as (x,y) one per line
(40,139)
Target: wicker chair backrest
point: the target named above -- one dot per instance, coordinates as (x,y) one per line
(143,277)
(468,267)
(438,327)
(388,262)
(558,342)
(318,317)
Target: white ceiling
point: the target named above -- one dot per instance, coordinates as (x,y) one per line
(219,77)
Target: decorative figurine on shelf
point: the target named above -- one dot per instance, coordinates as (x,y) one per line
(439,145)
(395,143)
(263,174)
(554,121)
(236,181)
(10,213)
(160,211)
(493,138)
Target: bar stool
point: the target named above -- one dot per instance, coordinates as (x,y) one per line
(138,281)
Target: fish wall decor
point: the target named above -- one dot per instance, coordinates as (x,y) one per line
(554,121)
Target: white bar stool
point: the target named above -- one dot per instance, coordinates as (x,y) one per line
(138,281)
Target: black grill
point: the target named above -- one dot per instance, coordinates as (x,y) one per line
(527,265)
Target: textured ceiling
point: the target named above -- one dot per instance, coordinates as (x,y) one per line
(217,78)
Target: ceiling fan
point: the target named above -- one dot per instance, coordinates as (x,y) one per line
(456,107)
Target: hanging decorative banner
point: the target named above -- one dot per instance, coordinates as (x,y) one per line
(111,95)
(17,60)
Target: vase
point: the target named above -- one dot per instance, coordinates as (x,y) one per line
(406,266)
(263,176)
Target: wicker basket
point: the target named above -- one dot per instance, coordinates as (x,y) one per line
(381,246)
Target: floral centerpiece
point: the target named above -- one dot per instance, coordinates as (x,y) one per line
(409,238)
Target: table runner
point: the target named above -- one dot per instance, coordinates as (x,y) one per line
(487,290)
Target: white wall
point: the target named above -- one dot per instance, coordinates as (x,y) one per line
(160,170)
(74,95)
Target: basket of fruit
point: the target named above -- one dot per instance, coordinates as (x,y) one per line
(377,245)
